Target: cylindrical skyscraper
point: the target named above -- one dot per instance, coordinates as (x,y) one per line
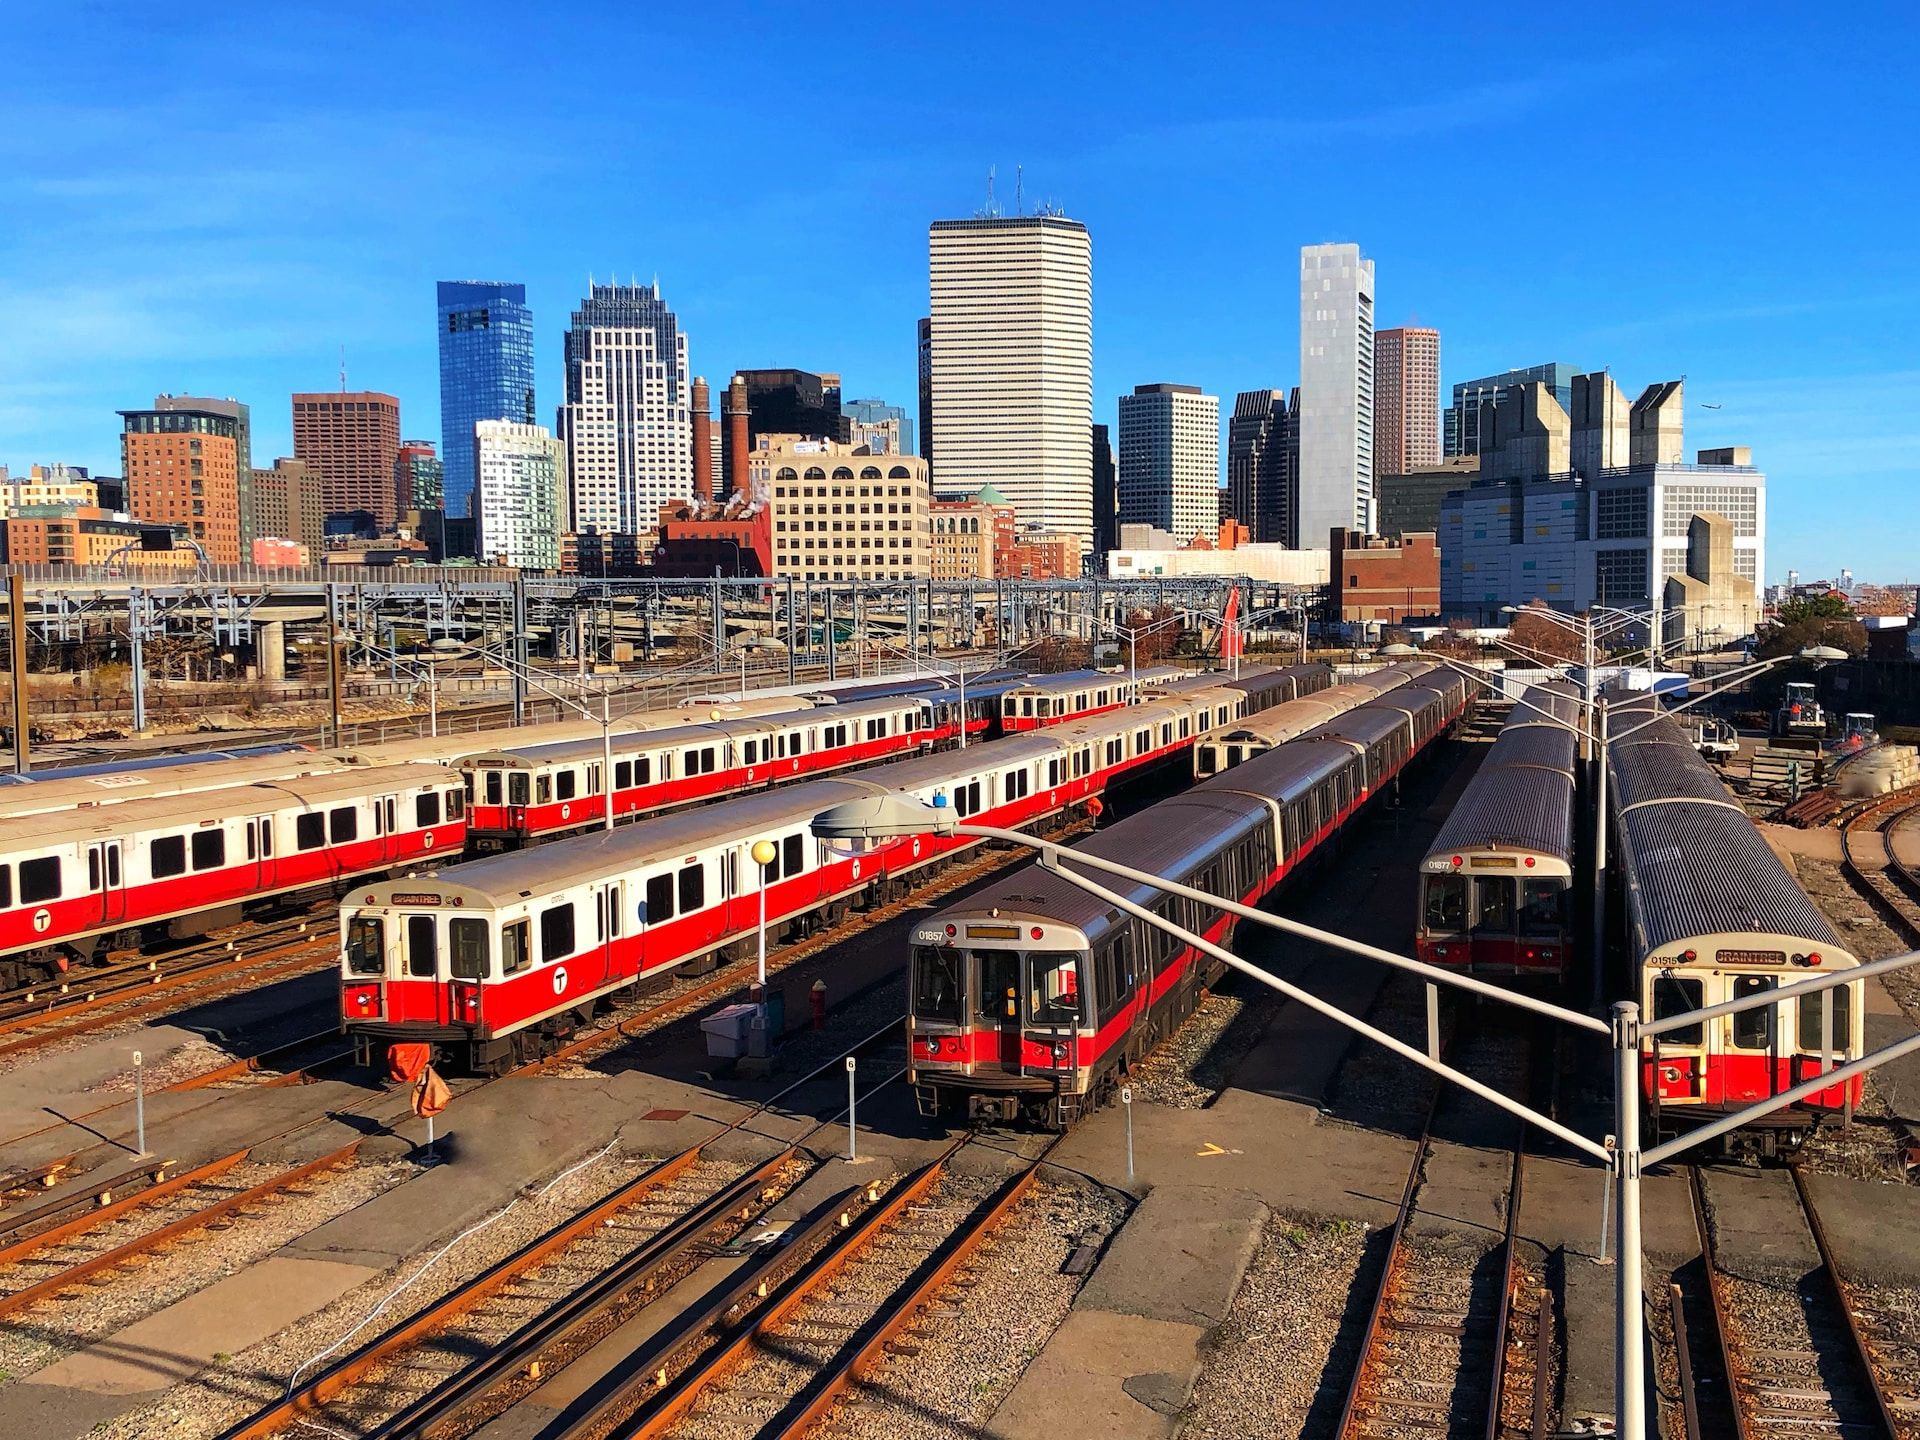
(702,441)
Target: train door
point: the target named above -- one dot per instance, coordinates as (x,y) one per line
(420,960)
(1813,1039)
(261,844)
(1750,1043)
(1492,931)
(385,812)
(1680,1057)
(104,870)
(997,1006)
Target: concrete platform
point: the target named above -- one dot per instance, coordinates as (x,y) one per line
(1104,1376)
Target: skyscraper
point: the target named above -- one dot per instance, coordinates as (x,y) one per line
(874,420)
(486,372)
(923,331)
(626,424)
(181,469)
(1170,460)
(1406,377)
(1010,355)
(793,402)
(1461,425)
(350,439)
(419,480)
(1106,494)
(287,501)
(520,501)
(1336,392)
(1263,456)
(243,438)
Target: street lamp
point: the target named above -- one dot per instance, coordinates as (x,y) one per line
(764,853)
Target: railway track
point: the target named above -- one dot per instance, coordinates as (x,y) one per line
(43,1265)
(1881,847)
(1784,1357)
(421,1371)
(1457,1341)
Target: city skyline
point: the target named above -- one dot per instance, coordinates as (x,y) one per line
(253,296)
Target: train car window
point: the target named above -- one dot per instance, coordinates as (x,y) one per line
(6,886)
(93,870)
(543,789)
(771,871)
(490,787)
(1752,1029)
(556,933)
(426,809)
(1026,706)
(113,858)
(643,770)
(622,774)
(791,855)
(366,945)
(342,824)
(1543,907)
(1053,773)
(1676,995)
(518,788)
(39,880)
(423,947)
(1810,1008)
(309,831)
(467,950)
(1053,987)
(456,805)
(750,752)
(1446,903)
(693,888)
(613,912)
(209,849)
(1493,904)
(565,785)
(515,953)
(166,855)
(658,906)
(936,983)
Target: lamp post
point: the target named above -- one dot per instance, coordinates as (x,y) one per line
(764,853)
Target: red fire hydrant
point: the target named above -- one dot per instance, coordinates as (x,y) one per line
(817,997)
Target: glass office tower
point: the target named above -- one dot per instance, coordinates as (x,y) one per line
(486,372)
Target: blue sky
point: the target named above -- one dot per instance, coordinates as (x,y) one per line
(214,199)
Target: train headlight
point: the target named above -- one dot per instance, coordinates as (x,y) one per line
(1059,1052)
(1669,1074)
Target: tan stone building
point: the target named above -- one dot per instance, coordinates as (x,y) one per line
(969,533)
(840,512)
(287,504)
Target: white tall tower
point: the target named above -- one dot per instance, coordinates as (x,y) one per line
(1336,392)
(626,425)
(520,494)
(1011,359)
(1170,460)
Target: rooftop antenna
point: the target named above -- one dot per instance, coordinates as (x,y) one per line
(992,209)
(343,369)
(1019,190)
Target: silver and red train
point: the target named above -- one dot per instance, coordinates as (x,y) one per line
(1494,884)
(1711,915)
(1031,999)
(491,961)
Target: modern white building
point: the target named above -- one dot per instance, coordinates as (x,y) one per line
(626,422)
(1336,392)
(1010,361)
(1170,459)
(519,494)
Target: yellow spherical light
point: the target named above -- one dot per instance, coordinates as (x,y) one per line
(764,852)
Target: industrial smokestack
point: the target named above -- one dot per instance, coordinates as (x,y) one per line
(702,441)
(733,411)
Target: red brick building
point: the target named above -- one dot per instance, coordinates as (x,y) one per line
(1384,581)
(182,468)
(351,441)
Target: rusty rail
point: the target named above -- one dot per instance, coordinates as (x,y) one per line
(1850,1306)
(99,1194)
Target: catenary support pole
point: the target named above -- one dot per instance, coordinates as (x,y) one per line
(1630,1396)
(17,637)
(1600,856)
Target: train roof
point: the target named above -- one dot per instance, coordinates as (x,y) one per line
(1523,808)
(1560,699)
(1696,869)
(1167,839)
(1068,680)
(232,802)
(1283,773)
(1292,717)
(1545,747)
(1362,725)
(114,789)
(1659,772)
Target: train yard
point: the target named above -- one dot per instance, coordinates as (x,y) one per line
(615,1231)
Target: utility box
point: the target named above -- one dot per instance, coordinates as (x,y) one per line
(768,1024)
(727,1029)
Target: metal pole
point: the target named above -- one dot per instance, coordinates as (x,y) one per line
(791,639)
(137,655)
(853,1142)
(140,1102)
(1600,856)
(606,751)
(1630,1396)
(1433,1021)
(833,649)
(333,670)
(1126,1103)
(963,706)
(17,635)
(520,649)
(433,704)
(763,930)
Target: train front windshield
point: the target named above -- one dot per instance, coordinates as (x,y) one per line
(1039,988)
(1491,904)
